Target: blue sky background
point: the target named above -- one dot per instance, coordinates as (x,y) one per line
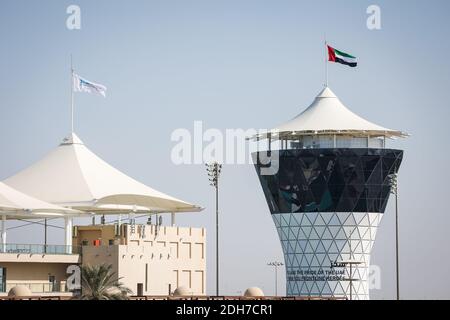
(235,64)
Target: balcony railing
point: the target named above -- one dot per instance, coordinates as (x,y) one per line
(39,287)
(39,249)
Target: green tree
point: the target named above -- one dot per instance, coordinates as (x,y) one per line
(99,282)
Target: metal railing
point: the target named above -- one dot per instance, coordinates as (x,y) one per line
(161,297)
(45,298)
(39,249)
(38,287)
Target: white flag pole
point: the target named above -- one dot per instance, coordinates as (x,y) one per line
(71,92)
(326,61)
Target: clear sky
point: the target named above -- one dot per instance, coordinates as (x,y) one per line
(235,64)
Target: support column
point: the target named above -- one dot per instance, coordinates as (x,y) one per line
(131,218)
(270,141)
(3,233)
(68,224)
(119,226)
(172,219)
(45,235)
(132,222)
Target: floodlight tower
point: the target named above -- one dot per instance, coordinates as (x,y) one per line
(214,169)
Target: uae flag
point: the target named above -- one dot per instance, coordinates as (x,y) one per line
(337,56)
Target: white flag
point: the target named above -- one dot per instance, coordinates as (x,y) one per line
(83,85)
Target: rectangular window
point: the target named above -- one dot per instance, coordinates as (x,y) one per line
(174,250)
(175,280)
(186,278)
(186,250)
(146,277)
(2,279)
(199,251)
(198,282)
(52,283)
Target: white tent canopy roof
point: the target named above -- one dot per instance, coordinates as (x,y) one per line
(73,176)
(17,205)
(328,115)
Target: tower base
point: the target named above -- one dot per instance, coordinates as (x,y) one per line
(321,249)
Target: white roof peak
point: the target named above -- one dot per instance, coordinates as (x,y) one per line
(326,93)
(72,138)
(328,115)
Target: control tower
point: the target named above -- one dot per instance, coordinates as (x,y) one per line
(327,185)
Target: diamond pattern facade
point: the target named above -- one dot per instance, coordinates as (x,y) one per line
(315,245)
(326,205)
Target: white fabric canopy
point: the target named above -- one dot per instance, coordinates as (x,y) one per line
(327,115)
(17,205)
(73,176)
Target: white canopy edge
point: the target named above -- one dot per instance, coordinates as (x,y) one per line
(326,115)
(293,135)
(98,207)
(15,204)
(33,215)
(77,178)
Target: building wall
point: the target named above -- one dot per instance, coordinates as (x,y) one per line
(35,275)
(88,234)
(158,257)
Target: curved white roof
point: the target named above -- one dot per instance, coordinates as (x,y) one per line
(17,205)
(327,114)
(73,176)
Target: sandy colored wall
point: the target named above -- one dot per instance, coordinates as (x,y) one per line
(38,272)
(157,258)
(91,233)
(35,275)
(101,255)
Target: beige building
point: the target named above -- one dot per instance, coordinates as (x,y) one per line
(150,259)
(43,273)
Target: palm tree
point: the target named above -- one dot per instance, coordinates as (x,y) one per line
(99,282)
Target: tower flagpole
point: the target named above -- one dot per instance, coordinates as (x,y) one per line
(71,93)
(326,61)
